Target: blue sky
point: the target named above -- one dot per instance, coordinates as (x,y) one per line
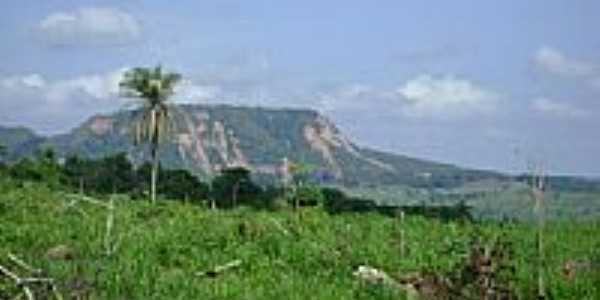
(482,84)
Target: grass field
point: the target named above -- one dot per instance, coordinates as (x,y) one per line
(158,250)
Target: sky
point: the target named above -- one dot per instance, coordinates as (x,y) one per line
(495,85)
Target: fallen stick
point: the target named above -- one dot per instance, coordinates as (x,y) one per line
(36,280)
(109,245)
(220,269)
(10,274)
(24,282)
(75,197)
(23,265)
(18,282)
(279,226)
(28,293)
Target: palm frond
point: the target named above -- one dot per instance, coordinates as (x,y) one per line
(153,87)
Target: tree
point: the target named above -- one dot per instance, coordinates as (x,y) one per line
(48,166)
(181,184)
(115,174)
(300,174)
(233,183)
(152,120)
(75,172)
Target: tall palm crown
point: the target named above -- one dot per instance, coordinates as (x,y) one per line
(151,121)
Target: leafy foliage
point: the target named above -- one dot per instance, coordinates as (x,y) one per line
(234,186)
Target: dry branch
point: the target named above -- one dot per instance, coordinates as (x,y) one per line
(280,227)
(216,271)
(109,246)
(10,274)
(76,198)
(22,264)
(25,283)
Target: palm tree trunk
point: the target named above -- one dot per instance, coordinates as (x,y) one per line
(154,154)
(154,176)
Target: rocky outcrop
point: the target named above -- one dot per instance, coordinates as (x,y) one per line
(101,125)
(325,138)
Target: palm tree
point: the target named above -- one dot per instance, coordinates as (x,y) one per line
(151,121)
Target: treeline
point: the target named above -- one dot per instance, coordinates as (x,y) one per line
(565,183)
(116,174)
(233,187)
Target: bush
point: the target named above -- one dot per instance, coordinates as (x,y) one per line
(308,195)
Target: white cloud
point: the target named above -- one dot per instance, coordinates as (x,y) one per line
(424,96)
(557,109)
(28,81)
(444,97)
(354,96)
(90,26)
(190,92)
(52,106)
(553,61)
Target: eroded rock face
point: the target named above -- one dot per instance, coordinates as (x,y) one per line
(239,156)
(101,125)
(219,141)
(191,141)
(315,135)
(208,143)
(324,138)
(202,136)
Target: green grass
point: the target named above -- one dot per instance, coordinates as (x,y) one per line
(285,255)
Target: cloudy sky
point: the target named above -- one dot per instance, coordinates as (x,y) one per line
(476,83)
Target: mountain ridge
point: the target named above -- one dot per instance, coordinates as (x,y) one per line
(208,138)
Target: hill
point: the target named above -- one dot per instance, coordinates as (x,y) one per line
(208,138)
(19,141)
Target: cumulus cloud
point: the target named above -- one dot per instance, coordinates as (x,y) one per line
(424,96)
(446,96)
(96,86)
(52,106)
(189,92)
(555,62)
(93,26)
(557,109)
(356,96)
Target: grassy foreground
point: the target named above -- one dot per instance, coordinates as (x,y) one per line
(158,250)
